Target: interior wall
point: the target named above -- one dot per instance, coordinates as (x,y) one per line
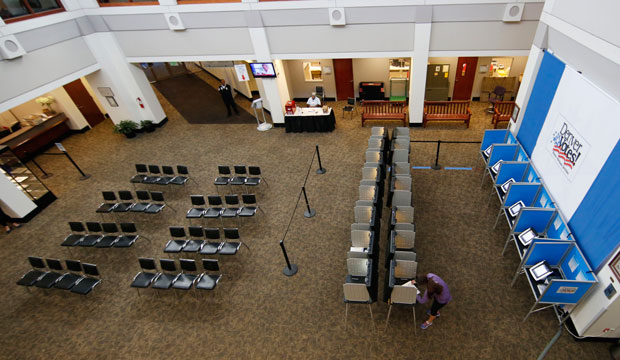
(63,103)
(300,88)
(281,80)
(452,61)
(516,69)
(371,69)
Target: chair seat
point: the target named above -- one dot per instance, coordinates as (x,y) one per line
(48,280)
(175,246)
(125,241)
(90,240)
(184,281)
(154,208)
(208,282)
(164,180)
(106,241)
(85,286)
(348,108)
(30,278)
(230,248)
(252,181)
(67,281)
(164,281)
(248,211)
(212,213)
(193,245)
(72,240)
(222,181)
(140,207)
(210,248)
(238,180)
(194,213)
(137,179)
(178,180)
(230,212)
(150,179)
(143,280)
(123,207)
(106,208)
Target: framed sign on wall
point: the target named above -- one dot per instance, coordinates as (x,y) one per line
(615,266)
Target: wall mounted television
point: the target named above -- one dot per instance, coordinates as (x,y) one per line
(263,70)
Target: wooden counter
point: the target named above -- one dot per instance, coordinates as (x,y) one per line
(28,140)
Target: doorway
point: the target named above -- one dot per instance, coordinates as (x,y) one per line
(464,80)
(84,102)
(343,74)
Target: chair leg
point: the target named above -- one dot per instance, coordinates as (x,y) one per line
(372,318)
(138,291)
(388,318)
(265,181)
(346,314)
(415,326)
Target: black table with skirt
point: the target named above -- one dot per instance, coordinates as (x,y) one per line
(310,123)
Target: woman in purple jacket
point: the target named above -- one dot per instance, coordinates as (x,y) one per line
(436,289)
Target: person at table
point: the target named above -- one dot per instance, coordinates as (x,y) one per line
(226,92)
(314,101)
(436,289)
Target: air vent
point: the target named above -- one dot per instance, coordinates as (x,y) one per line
(174,21)
(513,12)
(336,16)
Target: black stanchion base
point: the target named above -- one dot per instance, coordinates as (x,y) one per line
(310,213)
(321,171)
(436,167)
(46,176)
(85,177)
(290,272)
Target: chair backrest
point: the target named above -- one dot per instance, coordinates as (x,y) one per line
(74,265)
(196,232)
(363,214)
(93,226)
(240,170)
(141,168)
(197,200)
(351,101)
(355,292)
(401,198)
(177,231)
(254,170)
(167,265)
(182,169)
(223,170)
(405,295)
(405,255)
(405,269)
(210,265)
(357,267)
(214,200)
(188,264)
(357,255)
(212,233)
(499,90)
(408,227)
(154,169)
(168,170)
(231,233)
(76,226)
(360,238)
(147,263)
(54,264)
(400,155)
(125,195)
(373,156)
(248,199)
(405,238)
(319,90)
(109,228)
(232,199)
(143,195)
(378,130)
(90,269)
(36,262)
(108,195)
(157,196)
(128,227)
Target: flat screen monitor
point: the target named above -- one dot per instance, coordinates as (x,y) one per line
(526,236)
(495,167)
(515,208)
(540,271)
(507,184)
(263,70)
(487,151)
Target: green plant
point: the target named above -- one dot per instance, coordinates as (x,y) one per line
(146,124)
(125,127)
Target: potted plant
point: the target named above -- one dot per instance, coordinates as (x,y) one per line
(127,128)
(47,101)
(147,125)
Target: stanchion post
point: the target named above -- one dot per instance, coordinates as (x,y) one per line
(437,166)
(321,170)
(289,269)
(84,176)
(45,175)
(309,212)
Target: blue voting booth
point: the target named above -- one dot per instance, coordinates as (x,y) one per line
(537,219)
(517,192)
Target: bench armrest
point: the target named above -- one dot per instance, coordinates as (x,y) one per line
(469,110)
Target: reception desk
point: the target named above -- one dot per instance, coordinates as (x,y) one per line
(310,120)
(28,140)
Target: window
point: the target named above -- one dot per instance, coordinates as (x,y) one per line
(399,68)
(127,2)
(16,10)
(313,71)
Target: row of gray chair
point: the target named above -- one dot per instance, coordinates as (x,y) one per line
(152,175)
(217,210)
(78,278)
(101,235)
(147,202)
(243,176)
(203,241)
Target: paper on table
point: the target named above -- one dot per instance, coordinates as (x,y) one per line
(409,284)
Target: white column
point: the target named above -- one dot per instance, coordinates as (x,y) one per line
(127,81)
(527,83)
(417,89)
(267,87)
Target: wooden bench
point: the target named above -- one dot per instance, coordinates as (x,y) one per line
(457,110)
(384,110)
(502,111)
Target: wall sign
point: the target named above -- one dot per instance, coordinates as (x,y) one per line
(567,146)
(567,290)
(242,72)
(105,91)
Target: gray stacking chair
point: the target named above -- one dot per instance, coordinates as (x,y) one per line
(403,295)
(356,294)
(367,192)
(402,143)
(401,198)
(400,168)
(364,214)
(405,269)
(400,155)
(374,156)
(378,131)
(375,143)
(402,215)
(401,182)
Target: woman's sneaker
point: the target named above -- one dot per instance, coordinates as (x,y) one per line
(428,312)
(425,325)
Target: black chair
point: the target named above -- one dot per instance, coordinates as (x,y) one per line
(48,280)
(153,175)
(165,280)
(128,237)
(126,201)
(232,207)
(255,177)
(211,247)
(208,281)
(214,211)
(144,201)
(197,210)
(320,93)
(88,283)
(185,280)
(168,172)
(241,174)
(147,276)
(498,95)
(175,245)
(31,277)
(94,234)
(142,172)
(182,177)
(230,247)
(110,235)
(351,102)
(156,208)
(249,206)
(196,239)
(78,231)
(69,279)
(109,202)
(224,178)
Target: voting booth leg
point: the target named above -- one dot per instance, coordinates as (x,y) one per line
(321,170)
(289,269)
(309,212)
(555,338)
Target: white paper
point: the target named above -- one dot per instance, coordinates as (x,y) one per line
(581,277)
(572,264)
(446,68)
(242,72)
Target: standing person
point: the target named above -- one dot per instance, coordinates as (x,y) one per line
(227,96)
(313,101)
(5,221)
(436,289)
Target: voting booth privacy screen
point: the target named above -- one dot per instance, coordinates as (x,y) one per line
(263,70)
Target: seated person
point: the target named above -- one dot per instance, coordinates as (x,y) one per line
(314,101)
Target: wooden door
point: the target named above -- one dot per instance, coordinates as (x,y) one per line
(84,102)
(464,79)
(343,72)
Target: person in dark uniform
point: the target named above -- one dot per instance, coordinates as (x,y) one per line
(227,96)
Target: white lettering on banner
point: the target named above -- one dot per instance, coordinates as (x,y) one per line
(567,290)
(568,147)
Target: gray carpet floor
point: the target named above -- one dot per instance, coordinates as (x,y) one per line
(256,312)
